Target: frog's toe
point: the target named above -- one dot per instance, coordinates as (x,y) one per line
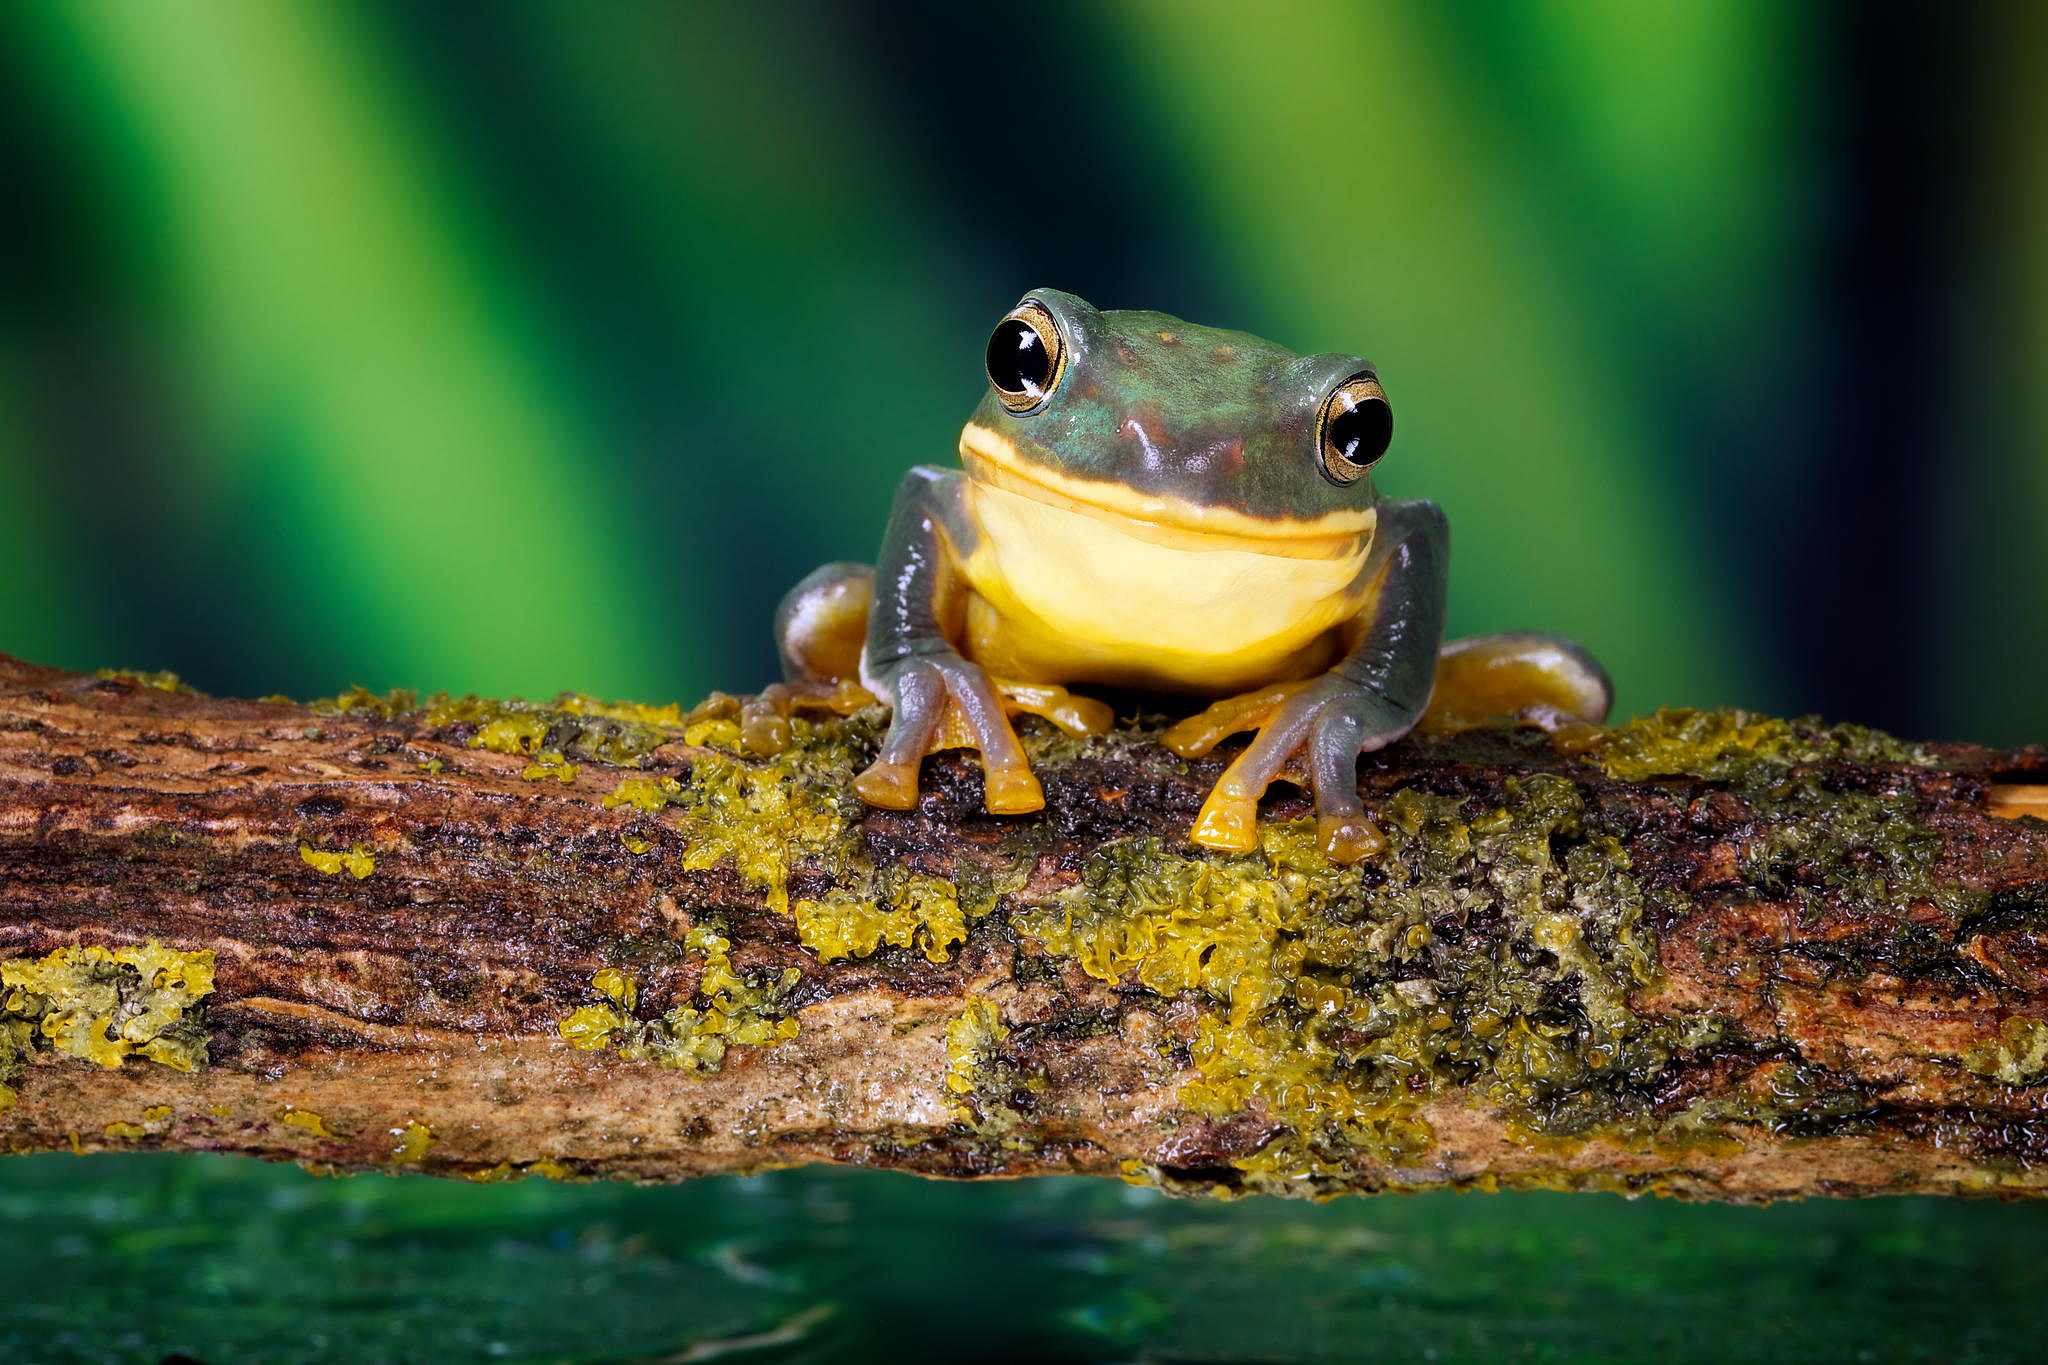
(1342,830)
(1327,722)
(1078,716)
(948,703)
(764,718)
(1229,818)
(1198,734)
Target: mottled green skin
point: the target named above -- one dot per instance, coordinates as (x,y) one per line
(1213,417)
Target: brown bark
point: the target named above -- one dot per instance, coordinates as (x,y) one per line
(1862,1003)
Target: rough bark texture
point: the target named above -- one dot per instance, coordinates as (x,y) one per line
(1723,957)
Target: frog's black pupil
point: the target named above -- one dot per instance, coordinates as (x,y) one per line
(1018,361)
(1361,434)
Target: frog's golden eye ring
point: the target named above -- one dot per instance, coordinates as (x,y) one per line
(1026,357)
(1354,428)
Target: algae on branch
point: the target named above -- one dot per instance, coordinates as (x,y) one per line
(734,1010)
(103,1005)
(1493,952)
(1729,745)
(570,729)
(162,679)
(358,861)
(982,1086)
(2018,1056)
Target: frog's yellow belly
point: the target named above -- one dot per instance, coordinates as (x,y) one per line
(1063,596)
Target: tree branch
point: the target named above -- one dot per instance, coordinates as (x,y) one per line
(1716,955)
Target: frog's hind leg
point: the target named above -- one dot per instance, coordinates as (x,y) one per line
(1529,676)
(819,629)
(822,623)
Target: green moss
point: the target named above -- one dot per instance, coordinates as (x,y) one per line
(568,730)
(1817,847)
(729,1010)
(1739,746)
(104,1005)
(162,679)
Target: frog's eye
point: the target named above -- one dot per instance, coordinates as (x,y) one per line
(1355,425)
(1026,356)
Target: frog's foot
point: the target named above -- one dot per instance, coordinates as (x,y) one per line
(1328,722)
(1527,677)
(944,702)
(764,719)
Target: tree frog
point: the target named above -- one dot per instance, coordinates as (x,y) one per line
(1149,504)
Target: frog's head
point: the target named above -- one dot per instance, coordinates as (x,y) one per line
(1179,432)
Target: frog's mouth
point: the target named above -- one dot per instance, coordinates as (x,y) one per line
(994,460)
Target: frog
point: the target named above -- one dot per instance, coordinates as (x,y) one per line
(1154,507)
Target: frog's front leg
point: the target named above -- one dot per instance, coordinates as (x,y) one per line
(1374,696)
(940,698)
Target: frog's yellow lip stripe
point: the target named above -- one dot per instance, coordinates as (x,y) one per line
(994,459)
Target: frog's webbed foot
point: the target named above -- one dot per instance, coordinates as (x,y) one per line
(945,702)
(1314,729)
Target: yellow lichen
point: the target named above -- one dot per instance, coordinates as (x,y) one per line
(2018,1056)
(1730,746)
(358,861)
(156,1113)
(983,1088)
(411,1141)
(645,793)
(547,1167)
(119,1129)
(917,910)
(636,845)
(970,1041)
(716,732)
(671,716)
(104,1005)
(303,1118)
(760,819)
(615,984)
(590,1027)
(731,1010)
(361,701)
(550,765)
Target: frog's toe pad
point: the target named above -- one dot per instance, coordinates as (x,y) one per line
(1349,838)
(892,786)
(1228,822)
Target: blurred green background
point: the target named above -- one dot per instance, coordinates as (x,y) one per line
(514,347)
